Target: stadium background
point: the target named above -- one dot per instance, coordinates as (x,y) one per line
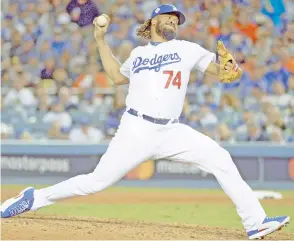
(59,110)
(54,87)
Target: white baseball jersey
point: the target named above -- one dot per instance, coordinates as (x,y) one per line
(159,75)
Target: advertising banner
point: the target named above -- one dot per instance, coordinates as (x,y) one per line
(251,169)
(66,166)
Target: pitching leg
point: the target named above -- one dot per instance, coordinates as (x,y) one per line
(187,145)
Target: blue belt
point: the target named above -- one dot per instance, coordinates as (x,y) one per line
(151,119)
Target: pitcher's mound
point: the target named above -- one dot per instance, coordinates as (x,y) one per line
(38,227)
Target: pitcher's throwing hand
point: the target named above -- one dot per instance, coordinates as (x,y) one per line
(101,24)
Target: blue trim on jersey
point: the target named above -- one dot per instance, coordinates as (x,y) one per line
(155,43)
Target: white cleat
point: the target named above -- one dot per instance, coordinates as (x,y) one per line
(19,204)
(268,226)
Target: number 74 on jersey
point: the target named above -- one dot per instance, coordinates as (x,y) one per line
(174,78)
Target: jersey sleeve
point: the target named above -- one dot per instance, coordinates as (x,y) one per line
(125,69)
(200,57)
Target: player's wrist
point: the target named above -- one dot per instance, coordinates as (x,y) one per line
(100,42)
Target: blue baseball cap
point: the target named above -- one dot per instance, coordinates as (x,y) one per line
(168,8)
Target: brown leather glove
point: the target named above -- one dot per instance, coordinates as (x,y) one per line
(229,69)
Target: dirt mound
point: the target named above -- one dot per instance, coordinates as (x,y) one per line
(36,226)
(40,227)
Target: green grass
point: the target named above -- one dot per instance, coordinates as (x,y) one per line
(205,214)
(214,214)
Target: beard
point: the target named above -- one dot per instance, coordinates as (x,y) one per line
(162,30)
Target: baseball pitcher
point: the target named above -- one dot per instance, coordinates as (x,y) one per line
(158,74)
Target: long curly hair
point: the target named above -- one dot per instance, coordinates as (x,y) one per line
(145,30)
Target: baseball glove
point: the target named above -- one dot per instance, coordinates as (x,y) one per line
(229,69)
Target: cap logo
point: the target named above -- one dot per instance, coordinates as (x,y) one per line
(174,8)
(157,10)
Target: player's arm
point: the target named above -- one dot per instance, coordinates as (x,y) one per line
(110,63)
(228,70)
(213,69)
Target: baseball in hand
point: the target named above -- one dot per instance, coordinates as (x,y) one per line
(101,20)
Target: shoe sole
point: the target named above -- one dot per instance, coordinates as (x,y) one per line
(264,233)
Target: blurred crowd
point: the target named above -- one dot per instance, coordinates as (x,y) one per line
(54,85)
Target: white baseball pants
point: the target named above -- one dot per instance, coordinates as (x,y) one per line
(138,140)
